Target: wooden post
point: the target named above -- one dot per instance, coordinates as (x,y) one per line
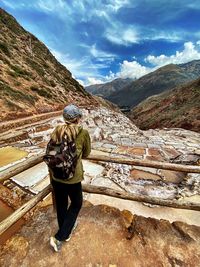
(16,215)
(179,204)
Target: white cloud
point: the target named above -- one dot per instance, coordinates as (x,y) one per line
(132,69)
(100,55)
(118,35)
(189,53)
(6,3)
(92,80)
(88,73)
(115,5)
(100,79)
(65,59)
(51,5)
(14,5)
(82,70)
(164,35)
(194,4)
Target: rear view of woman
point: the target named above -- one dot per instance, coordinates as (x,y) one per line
(69,188)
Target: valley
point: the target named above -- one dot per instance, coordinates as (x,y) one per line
(112,230)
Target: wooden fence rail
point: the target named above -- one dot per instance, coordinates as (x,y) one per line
(179,204)
(20,167)
(19,213)
(147,163)
(16,215)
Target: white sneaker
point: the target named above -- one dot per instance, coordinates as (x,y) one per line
(56,244)
(73,229)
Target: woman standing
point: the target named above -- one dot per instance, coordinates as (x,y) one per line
(71,188)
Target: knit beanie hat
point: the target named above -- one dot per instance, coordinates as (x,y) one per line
(71,113)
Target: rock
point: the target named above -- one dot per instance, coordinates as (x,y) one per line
(92,169)
(172,176)
(101,230)
(16,247)
(98,134)
(138,174)
(127,218)
(190,159)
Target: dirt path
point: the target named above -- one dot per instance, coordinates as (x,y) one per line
(5,126)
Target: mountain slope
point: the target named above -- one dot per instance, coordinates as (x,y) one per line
(106,89)
(31,79)
(156,82)
(179,107)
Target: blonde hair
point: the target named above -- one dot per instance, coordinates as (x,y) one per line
(70,131)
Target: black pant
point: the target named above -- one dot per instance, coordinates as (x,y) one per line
(67,215)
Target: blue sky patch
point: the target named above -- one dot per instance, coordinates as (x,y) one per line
(102,40)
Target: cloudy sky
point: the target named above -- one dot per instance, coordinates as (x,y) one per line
(101,40)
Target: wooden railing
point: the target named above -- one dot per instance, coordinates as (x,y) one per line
(18,168)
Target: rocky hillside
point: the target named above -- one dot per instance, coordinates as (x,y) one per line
(106,89)
(31,79)
(163,79)
(175,108)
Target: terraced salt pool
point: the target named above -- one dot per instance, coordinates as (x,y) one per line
(10,154)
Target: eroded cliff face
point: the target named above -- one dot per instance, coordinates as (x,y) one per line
(105,236)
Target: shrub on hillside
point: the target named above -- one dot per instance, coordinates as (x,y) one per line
(11,23)
(4,48)
(7,91)
(37,67)
(19,71)
(41,91)
(12,105)
(12,73)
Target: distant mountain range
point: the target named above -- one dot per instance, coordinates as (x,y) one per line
(167,97)
(31,79)
(126,92)
(156,82)
(179,107)
(106,89)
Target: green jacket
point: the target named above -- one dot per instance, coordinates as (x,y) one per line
(83,147)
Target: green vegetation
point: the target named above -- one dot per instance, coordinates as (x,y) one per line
(12,105)
(45,65)
(4,48)
(38,48)
(7,91)
(12,73)
(52,83)
(15,46)
(4,59)
(17,83)
(11,23)
(44,92)
(37,67)
(196,90)
(19,71)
